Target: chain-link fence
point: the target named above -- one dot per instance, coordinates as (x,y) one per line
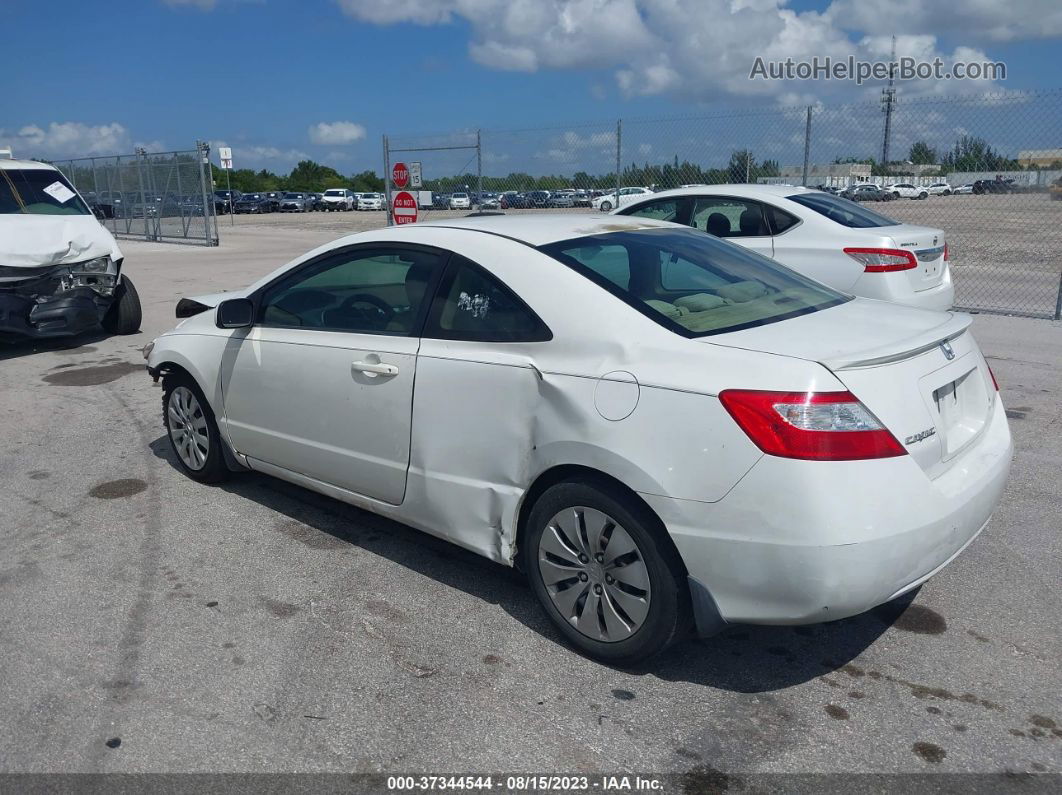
(986,170)
(165,197)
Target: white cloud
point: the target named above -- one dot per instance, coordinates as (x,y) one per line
(336,133)
(704,49)
(67,139)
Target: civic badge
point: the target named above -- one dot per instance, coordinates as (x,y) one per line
(949,353)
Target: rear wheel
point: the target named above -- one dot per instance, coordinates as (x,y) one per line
(605,571)
(124,314)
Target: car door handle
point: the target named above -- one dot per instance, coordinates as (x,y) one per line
(374,368)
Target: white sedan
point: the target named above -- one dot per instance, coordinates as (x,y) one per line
(659,427)
(370,201)
(460,201)
(838,242)
(905,190)
(610,201)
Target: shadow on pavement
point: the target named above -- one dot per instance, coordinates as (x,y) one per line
(746,659)
(17,347)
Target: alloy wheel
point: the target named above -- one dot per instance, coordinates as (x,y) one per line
(188,428)
(594,573)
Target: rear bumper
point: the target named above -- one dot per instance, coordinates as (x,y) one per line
(799,542)
(62,315)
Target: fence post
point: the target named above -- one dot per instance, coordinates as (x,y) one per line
(619,149)
(202,152)
(387,181)
(807,148)
(143,196)
(1058,300)
(479,169)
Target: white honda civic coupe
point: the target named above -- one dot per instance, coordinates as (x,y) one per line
(665,431)
(834,240)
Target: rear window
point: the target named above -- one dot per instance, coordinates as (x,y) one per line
(843,211)
(38,191)
(691,283)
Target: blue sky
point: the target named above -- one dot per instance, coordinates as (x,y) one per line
(260,75)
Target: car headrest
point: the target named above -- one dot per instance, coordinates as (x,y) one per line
(717,224)
(751,222)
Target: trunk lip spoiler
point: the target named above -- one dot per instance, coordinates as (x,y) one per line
(920,343)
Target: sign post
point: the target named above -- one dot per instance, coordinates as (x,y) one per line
(404,208)
(225,154)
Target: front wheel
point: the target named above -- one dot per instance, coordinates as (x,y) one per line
(192,429)
(125,313)
(606,206)
(606,572)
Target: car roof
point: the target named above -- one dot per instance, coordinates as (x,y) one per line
(545,228)
(737,189)
(6,164)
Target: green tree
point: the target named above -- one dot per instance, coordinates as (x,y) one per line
(922,154)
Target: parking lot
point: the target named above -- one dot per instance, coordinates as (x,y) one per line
(154,624)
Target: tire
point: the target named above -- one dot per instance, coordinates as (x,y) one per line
(125,313)
(620,620)
(192,430)
(606,206)
(923,195)
(947,193)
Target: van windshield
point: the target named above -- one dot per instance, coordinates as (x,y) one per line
(38,191)
(693,283)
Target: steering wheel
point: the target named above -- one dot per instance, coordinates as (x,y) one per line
(379,318)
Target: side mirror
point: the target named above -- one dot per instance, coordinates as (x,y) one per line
(235,313)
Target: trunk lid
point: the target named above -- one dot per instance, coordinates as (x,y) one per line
(921,373)
(927,245)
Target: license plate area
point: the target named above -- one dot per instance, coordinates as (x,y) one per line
(961,406)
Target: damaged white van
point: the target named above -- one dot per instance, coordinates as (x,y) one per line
(60,269)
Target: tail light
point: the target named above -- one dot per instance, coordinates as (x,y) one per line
(883,260)
(814,426)
(995,383)
(945,252)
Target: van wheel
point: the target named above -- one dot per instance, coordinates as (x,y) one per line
(124,314)
(605,571)
(192,429)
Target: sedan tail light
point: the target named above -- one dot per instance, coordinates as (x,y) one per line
(814,426)
(883,260)
(995,383)
(945,252)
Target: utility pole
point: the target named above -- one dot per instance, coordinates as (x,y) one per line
(748,164)
(888,100)
(807,149)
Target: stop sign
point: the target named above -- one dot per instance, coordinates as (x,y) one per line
(400,175)
(404,207)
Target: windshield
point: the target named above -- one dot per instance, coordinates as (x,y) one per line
(38,191)
(333,193)
(842,211)
(692,283)
(292,195)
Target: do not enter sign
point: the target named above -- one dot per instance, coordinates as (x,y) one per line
(404,207)
(400,175)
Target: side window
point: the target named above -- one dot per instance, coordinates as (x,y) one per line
(661,210)
(724,216)
(780,219)
(471,304)
(378,291)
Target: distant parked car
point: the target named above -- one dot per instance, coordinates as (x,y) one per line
(905,190)
(1055,190)
(539,199)
(490,202)
(256,203)
(562,198)
(610,201)
(314,201)
(939,189)
(338,199)
(224,200)
(370,201)
(963,190)
(866,193)
(294,202)
(511,200)
(832,240)
(460,201)
(274,197)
